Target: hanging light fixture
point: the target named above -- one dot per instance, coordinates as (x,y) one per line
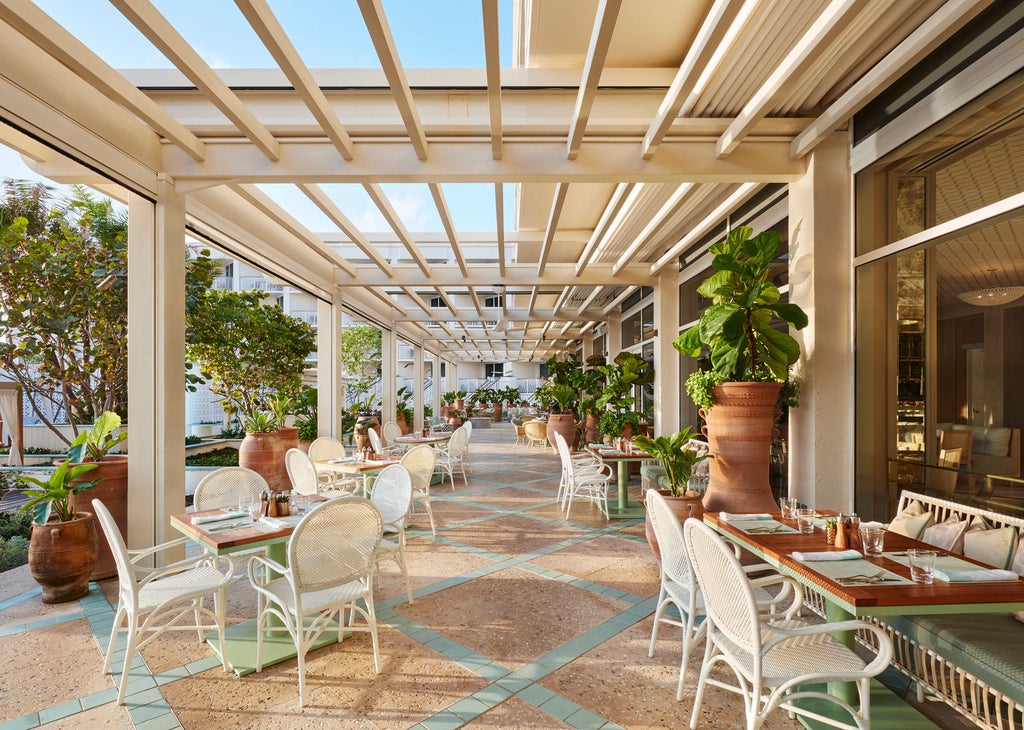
(994,296)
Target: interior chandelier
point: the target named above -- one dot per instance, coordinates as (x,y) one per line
(993,296)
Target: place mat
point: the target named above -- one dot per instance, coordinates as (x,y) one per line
(839,569)
(273,524)
(943,561)
(346,460)
(762,527)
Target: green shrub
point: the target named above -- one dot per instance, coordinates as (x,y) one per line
(15,530)
(221,457)
(190,440)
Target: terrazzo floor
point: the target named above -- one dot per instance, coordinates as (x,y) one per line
(520,620)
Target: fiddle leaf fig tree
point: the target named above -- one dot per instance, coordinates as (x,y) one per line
(739,328)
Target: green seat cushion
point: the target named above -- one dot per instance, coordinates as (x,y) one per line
(987,645)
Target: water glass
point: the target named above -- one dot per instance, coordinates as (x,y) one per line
(805,519)
(254,510)
(788,507)
(922,565)
(872,539)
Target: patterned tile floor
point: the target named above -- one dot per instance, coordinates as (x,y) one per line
(520,620)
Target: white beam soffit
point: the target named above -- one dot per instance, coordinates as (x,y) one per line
(557,202)
(52,38)
(323,201)
(555,276)
(391,216)
(807,50)
(626,293)
(384,42)
(597,53)
(499,214)
(627,256)
(603,229)
(449,226)
(716,24)
(144,16)
(268,28)
(942,24)
(492,59)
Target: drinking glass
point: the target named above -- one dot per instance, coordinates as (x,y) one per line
(922,565)
(788,507)
(872,539)
(254,510)
(805,519)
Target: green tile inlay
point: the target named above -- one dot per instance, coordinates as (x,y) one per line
(57,712)
(469,708)
(493,695)
(443,721)
(172,675)
(584,719)
(166,721)
(21,723)
(535,671)
(559,707)
(536,695)
(514,683)
(99,698)
(21,597)
(492,672)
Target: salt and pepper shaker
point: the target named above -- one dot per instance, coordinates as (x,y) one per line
(841,527)
(264,503)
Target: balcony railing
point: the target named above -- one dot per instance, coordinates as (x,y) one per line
(259,283)
(309,317)
(223,283)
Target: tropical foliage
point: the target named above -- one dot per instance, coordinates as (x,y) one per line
(677,460)
(360,357)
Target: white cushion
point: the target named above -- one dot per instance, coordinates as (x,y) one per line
(1017,565)
(912,521)
(948,535)
(995,547)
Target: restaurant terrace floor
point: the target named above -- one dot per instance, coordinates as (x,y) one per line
(520,620)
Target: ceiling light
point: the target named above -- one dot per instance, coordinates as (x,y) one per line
(995,296)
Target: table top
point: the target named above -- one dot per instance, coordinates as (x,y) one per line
(606,453)
(223,542)
(433,438)
(880,599)
(351,466)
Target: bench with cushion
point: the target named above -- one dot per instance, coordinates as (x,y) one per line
(974,662)
(994,449)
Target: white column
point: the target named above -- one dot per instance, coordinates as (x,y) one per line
(588,345)
(666,357)
(388,355)
(435,376)
(613,338)
(419,381)
(156,366)
(330,388)
(821,429)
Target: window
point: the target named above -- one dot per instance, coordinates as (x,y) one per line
(437,303)
(495,302)
(494,370)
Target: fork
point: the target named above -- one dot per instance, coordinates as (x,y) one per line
(230,526)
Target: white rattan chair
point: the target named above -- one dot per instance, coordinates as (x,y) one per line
(584,463)
(468,425)
(392,495)
(451,455)
(420,463)
(679,587)
(154,600)
(375,442)
(581,482)
(306,478)
(228,487)
(331,559)
(771,659)
(391,431)
(326,448)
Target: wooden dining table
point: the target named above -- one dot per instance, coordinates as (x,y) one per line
(362,469)
(225,538)
(623,508)
(892,597)
(433,438)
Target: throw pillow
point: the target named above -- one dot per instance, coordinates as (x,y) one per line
(912,521)
(1017,566)
(994,547)
(948,535)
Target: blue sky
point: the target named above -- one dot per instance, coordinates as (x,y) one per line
(428,34)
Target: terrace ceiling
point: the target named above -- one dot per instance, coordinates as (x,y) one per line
(622,125)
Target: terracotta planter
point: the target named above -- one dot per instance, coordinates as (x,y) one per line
(289,436)
(112,490)
(454,421)
(405,427)
(362,436)
(682,507)
(460,404)
(739,430)
(498,410)
(61,556)
(591,434)
(304,446)
(565,424)
(262,452)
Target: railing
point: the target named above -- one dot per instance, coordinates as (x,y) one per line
(223,283)
(258,282)
(307,316)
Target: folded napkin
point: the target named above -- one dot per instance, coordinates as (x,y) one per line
(731,516)
(975,576)
(830,555)
(870,524)
(347,460)
(275,523)
(230,515)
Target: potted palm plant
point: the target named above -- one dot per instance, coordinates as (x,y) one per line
(64,544)
(677,460)
(750,368)
(617,401)
(403,409)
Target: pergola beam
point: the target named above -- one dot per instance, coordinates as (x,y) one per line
(499,214)
(323,201)
(449,226)
(158,30)
(268,28)
(384,42)
(601,230)
(597,53)
(557,202)
(391,216)
(492,59)
(517,276)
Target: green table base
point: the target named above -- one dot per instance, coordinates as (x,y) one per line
(631,510)
(240,645)
(887,711)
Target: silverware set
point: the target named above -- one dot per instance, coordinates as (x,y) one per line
(230,526)
(878,577)
(764,530)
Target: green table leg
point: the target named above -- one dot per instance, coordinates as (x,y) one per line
(625,509)
(623,484)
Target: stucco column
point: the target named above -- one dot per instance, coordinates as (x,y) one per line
(419,386)
(588,346)
(156,366)
(613,339)
(330,386)
(666,357)
(388,354)
(821,429)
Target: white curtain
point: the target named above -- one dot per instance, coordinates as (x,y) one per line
(12,424)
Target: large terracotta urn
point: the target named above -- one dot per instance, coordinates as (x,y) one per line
(739,429)
(262,452)
(682,507)
(591,433)
(61,556)
(565,424)
(111,488)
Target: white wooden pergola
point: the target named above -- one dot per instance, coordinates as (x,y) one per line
(629,129)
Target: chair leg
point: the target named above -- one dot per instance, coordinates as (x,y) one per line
(400,556)
(698,697)
(220,602)
(118,618)
(133,627)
